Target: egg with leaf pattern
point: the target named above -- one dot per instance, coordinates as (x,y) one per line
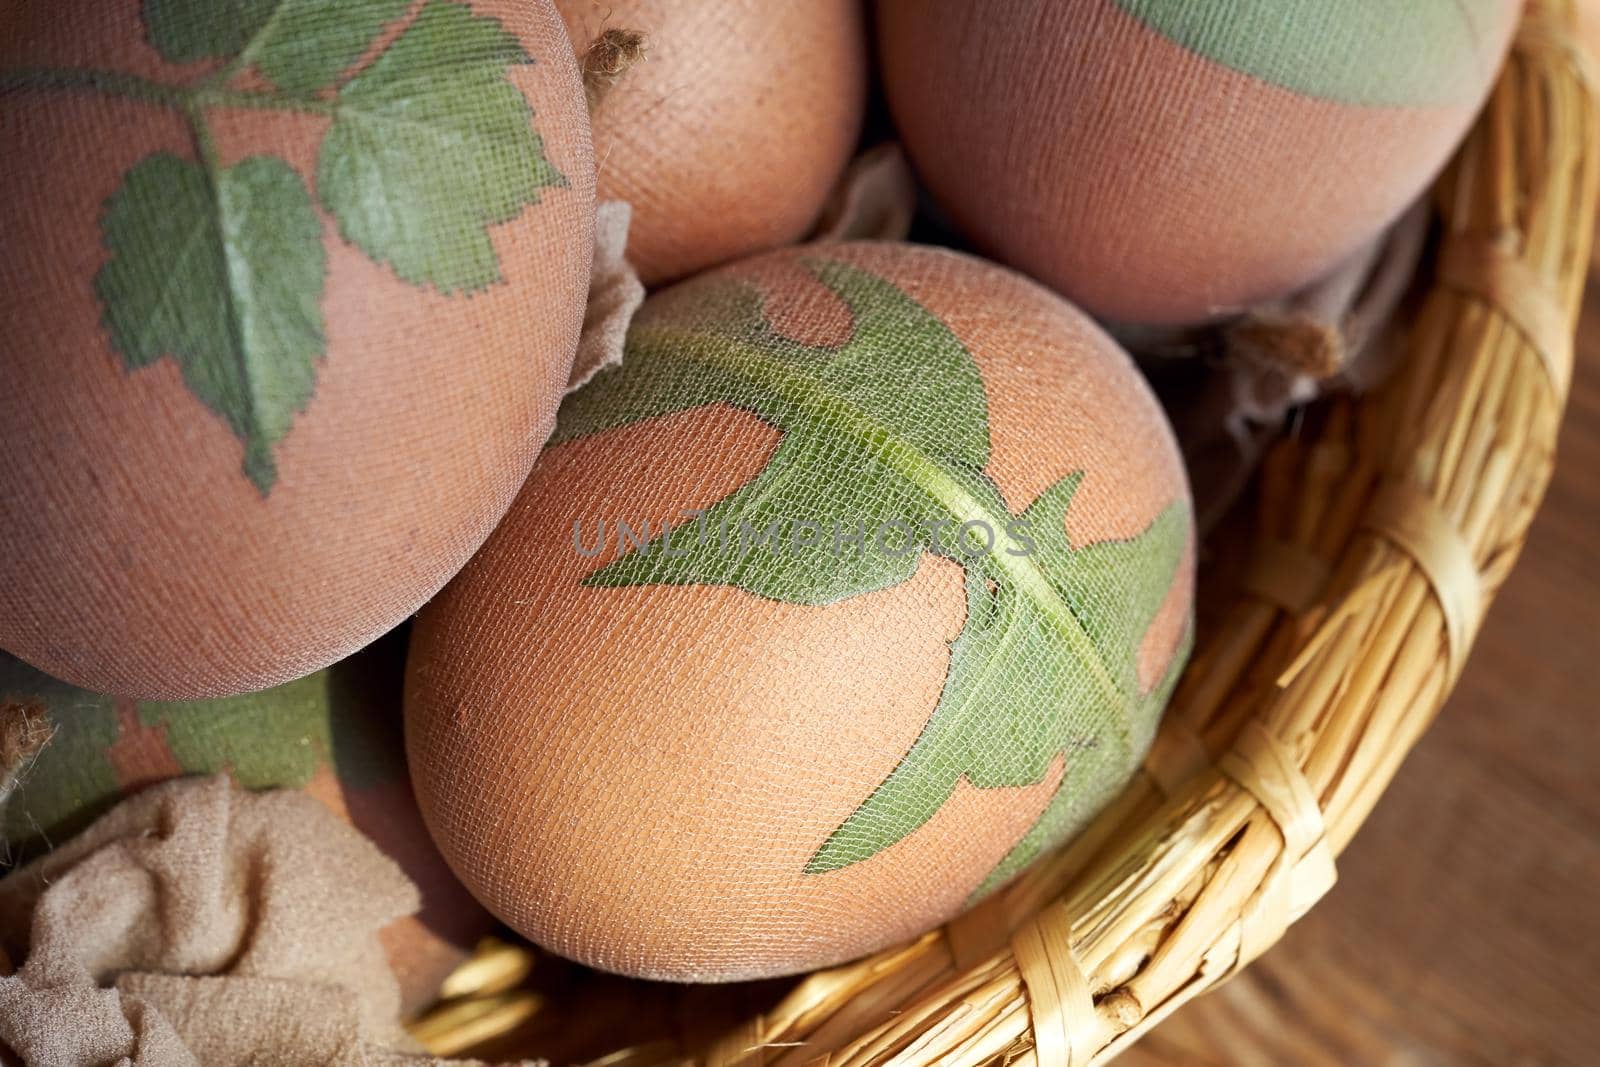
(290,294)
(857,586)
(1173,161)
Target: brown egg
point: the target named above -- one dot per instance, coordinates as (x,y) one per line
(724,756)
(285,313)
(334,734)
(728,135)
(1173,162)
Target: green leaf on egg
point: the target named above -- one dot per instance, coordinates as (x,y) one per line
(1364,53)
(430,145)
(102,748)
(222,271)
(223,268)
(300,45)
(186,31)
(891,427)
(1001,721)
(857,418)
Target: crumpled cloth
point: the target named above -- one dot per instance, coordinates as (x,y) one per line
(874,200)
(1336,335)
(198,923)
(615,293)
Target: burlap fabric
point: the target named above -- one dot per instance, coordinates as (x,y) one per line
(334,735)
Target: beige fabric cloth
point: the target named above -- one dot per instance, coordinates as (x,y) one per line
(197,923)
(1333,336)
(875,200)
(615,293)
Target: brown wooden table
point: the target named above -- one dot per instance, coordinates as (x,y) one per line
(1465,928)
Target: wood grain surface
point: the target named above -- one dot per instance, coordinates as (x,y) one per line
(1465,928)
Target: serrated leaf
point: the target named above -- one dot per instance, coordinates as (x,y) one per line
(185,31)
(309,43)
(300,45)
(974,730)
(892,426)
(762,540)
(430,145)
(224,275)
(1114,587)
(1012,703)
(837,464)
(1089,782)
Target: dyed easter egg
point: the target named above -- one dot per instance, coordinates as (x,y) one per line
(289,296)
(1164,162)
(728,133)
(859,584)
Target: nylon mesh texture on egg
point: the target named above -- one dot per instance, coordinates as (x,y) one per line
(925,584)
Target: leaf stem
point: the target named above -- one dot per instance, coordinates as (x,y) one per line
(110,82)
(748,362)
(256,466)
(264,101)
(230,70)
(205,144)
(182,97)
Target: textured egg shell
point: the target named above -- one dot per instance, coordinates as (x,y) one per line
(334,734)
(637,777)
(727,136)
(1170,163)
(136,554)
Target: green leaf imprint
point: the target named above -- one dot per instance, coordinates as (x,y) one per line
(431,144)
(1374,53)
(854,416)
(277,738)
(309,43)
(341,719)
(300,45)
(892,426)
(185,31)
(223,271)
(69,781)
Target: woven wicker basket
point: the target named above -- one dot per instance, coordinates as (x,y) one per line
(1381,531)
